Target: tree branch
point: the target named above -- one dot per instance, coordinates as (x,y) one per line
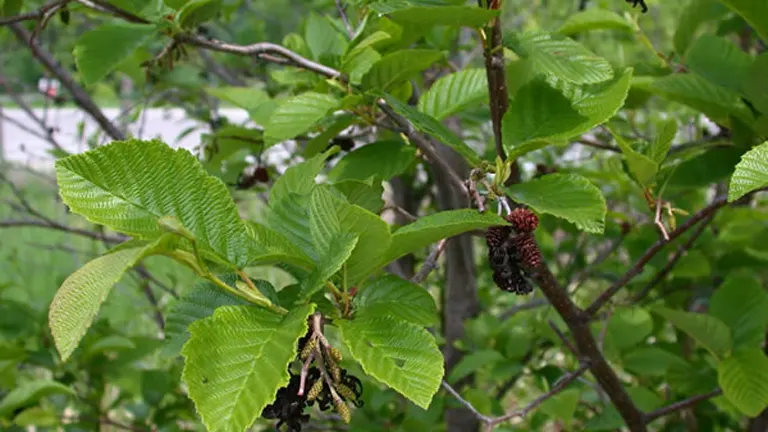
(674,259)
(683,404)
(497,79)
(430,263)
(637,268)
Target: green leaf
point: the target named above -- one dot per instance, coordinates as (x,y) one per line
(694,15)
(374,239)
(358,64)
(364,162)
(289,216)
(740,302)
(297,115)
(628,327)
(469,16)
(754,87)
(275,247)
(38,416)
(247,98)
(199,303)
(397,353)
(454,92)
(563,405)
(336,254)
(146,181)
(390,295)
(322,38)
(709,331)
(366,194)
(429,125)
(744,380)
(11,8)
(691,89)
(196,12)
(651,361)
(99,51)
(399,66)
(474,361)
(567,196)
(755,12)
(322,140)
(236,360)
(719,61)
(558,55)
(643,169)
(663,142)
(78,300)
(323,219)
(430,229)
(537,113)
(299,179)
(751,172)
(594,19)
(29,393)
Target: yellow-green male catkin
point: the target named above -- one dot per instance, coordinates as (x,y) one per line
(315,390)
(308,347)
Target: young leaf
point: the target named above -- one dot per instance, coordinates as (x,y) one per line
(744,380)
(751,172)
(390,295)
(755,12)
(740,302)
(337,252)
(454,92)
(78,300)
(148,180)
(289,216)
(567,196)
(558,55)
(594,19)
(643,168)
(322,38)
(236,360)
(28,393)
(470,16)
(431,126)
(397,353)
(709,331)
(300,179)
(430,229)
(297,115)
(364,162)
(663,142)
(199,303)
(358,64)
(323,219)
(399,66)
(196,12)
(99,51)
(366,194)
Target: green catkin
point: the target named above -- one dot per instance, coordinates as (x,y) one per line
(315,390)
(308,347)
(343,410)
(335,354)
(346,392)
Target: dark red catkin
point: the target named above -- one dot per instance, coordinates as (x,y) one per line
(524,222)
(503,253)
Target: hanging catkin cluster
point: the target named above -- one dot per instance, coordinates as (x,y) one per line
(512,251)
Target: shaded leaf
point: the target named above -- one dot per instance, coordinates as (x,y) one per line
(29,393)
(740,302)
(744,380)
(567,196)
(364,162)
(101,50)
(297,115)
(454,92)
(709,331)
(594,19)
(399,66)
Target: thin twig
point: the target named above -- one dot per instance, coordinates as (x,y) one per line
(563,338)
(637,268)
(430,263)
(33,15)
(60,227)
(657,220)
(480,416)
(681,251)
(344,18)
(677,406)
(557,388)
(533,304)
